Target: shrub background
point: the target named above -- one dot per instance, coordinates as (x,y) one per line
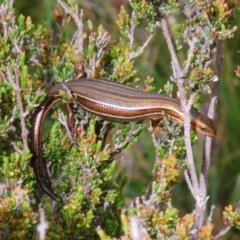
(154,62)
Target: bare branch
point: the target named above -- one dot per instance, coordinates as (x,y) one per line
(189,183)
(190,55)
(62,119)
(211,114)
(77,17)
(16,87)
(209,219)
(131,33)
(133,55)
(3,22)
(167,35)
(178,72)
(42,225)
(223,231)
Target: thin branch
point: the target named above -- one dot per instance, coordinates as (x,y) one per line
(208,140)
(140,50)
(16,148)
(191,100)
(172,51)
(218,70)
(22,113)
(171,144)
(133,55)
(188,62)
(178,72)
(131,33)
(156,145)
(101,43)
(42,226)
(63,121)
(154,192)
(223,231)
(211,114)
(209,219)
(187,178)
(3,22)
(78,20)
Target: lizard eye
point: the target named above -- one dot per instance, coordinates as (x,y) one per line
(203,128)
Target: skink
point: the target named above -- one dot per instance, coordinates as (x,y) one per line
(112,101)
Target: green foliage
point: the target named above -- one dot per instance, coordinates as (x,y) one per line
(17,222)
(231,216)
